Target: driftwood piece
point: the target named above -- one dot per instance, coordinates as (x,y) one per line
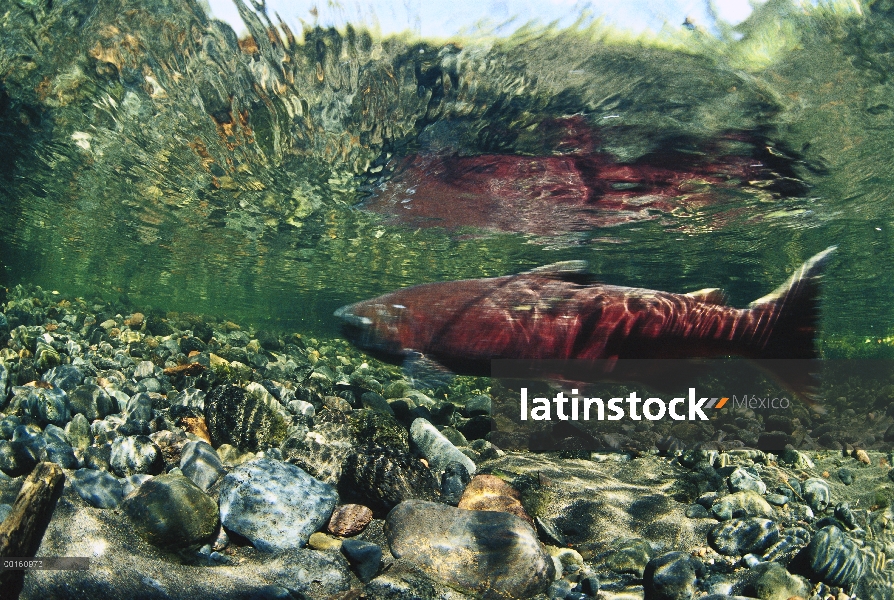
(22,531)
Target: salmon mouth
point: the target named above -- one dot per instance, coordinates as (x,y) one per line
(350,319)
(357,329)
(361,332)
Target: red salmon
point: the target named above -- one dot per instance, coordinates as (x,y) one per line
(559,312)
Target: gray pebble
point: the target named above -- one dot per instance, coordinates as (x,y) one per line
(741,480)
(817,494)
(478,405)
(97,488)
(436,448)
(697,511)
(364,557)
(846,475)
(671,576)
(777,499)
(376,402)
(453,482)
(139,407)
(135,454)
(200,462)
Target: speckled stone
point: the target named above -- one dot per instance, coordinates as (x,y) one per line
(349,519)
(495,555)
(274,504)
(246,421)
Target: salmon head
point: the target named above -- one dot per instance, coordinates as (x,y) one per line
(380,327)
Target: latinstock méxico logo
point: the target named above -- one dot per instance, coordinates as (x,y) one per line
(578,408)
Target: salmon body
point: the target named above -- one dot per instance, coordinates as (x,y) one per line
(559,312)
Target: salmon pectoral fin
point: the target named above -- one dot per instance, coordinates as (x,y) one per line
(788,346)
(424,372)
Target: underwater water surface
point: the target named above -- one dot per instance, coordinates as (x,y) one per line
(207,214)
(150,154)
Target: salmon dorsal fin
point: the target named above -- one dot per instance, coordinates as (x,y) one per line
(709,296)
(569,270)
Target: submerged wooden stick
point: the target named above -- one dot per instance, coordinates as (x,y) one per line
(22,531)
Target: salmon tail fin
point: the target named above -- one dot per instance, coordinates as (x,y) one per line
(787,348)
(794,312)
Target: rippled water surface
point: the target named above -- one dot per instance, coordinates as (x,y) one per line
(149,154)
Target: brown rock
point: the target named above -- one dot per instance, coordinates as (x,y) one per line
(349,519)
(862,456)
(196,426)
(135,320)
(487,492)
(191,369)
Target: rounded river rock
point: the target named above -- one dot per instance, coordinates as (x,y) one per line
(493,554)
(274,504)
(171,512)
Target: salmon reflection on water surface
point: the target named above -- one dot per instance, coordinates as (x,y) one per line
(575,188)
(560,312)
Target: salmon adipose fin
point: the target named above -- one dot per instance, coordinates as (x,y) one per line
(792,312)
